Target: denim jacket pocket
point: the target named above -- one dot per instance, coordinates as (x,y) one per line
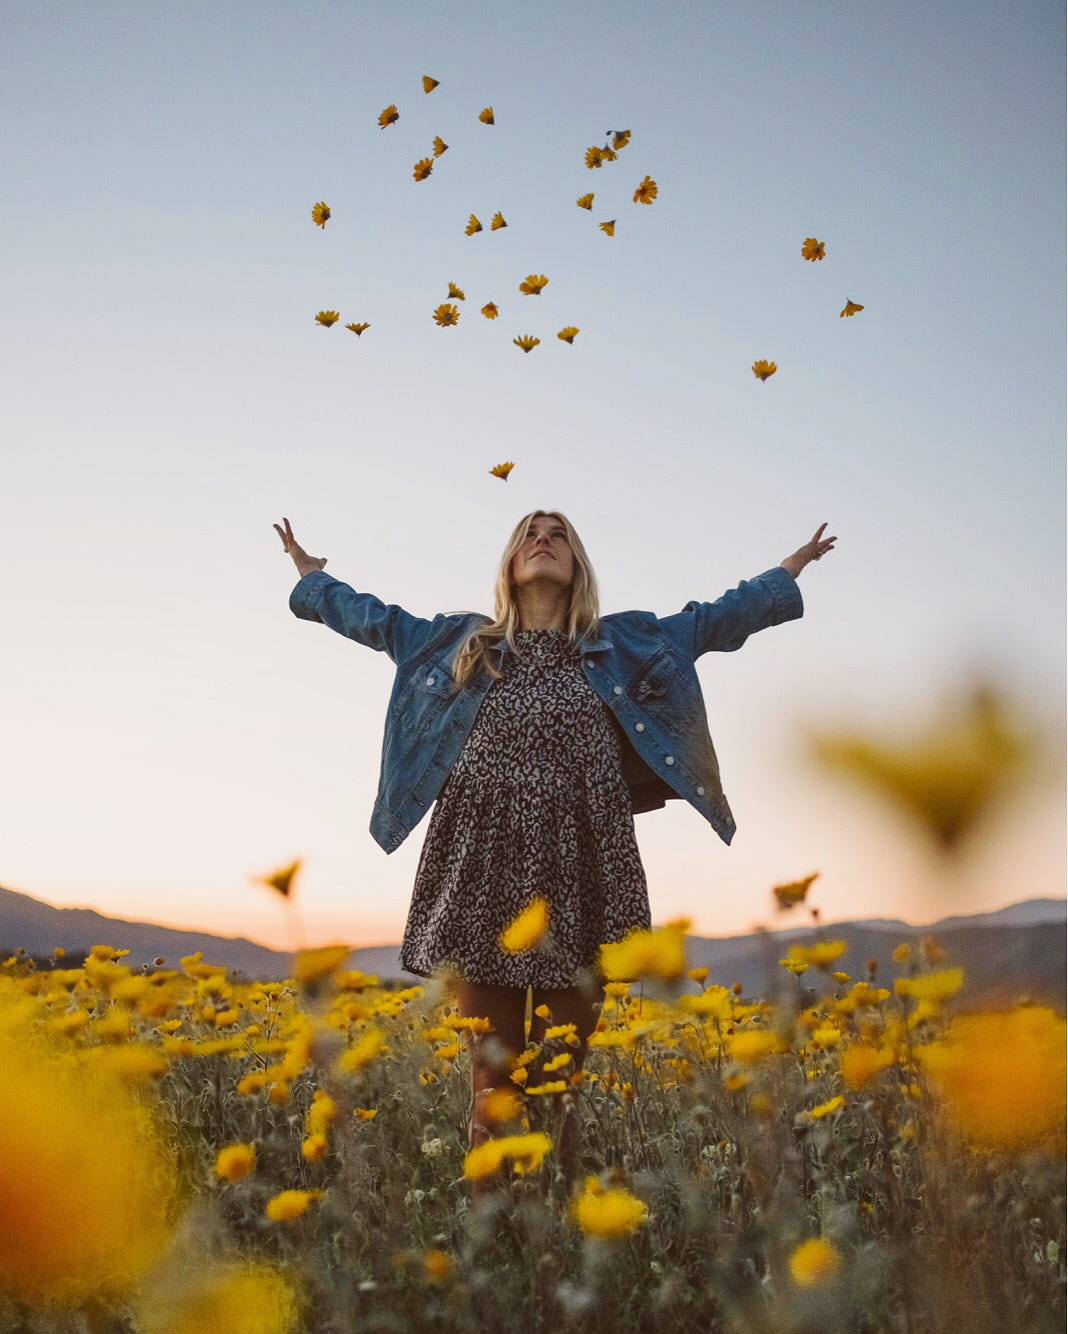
(431,688)
(655,680)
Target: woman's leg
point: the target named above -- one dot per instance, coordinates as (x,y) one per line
(577,1005)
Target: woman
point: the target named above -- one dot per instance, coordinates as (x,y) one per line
(539,734)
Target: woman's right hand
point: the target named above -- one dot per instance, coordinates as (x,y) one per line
(304,563)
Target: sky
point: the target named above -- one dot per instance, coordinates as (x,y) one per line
(169,729)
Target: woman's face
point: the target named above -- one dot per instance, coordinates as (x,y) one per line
(545,553)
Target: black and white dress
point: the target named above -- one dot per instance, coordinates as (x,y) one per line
(535,805)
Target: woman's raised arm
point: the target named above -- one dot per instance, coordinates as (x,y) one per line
(304,563)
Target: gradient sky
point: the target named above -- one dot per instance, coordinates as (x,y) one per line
(169,729)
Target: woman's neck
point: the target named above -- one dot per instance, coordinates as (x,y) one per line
(543,608)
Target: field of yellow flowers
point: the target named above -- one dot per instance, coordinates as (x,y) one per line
(183,1151)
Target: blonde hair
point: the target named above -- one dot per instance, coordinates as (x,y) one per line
(582,610)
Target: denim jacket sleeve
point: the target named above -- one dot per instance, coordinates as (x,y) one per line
(724,625)
(359,616)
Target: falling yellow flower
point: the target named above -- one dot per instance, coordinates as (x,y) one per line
(620,138)
(787,896)
(290,1204)
(320,212)
(812,249)
(486,115)
(814,1262)
(526,1151)
(567,333)
(473,225)
(526,342)
(595,157)
(234,1162)
(388,116)
(357,329)
(310,965)
(533,283)
(439,145)
(456,293)
(528,928)
(850,308)
(609,1214)
(282,880)
(429,84)
(646,192)
(423,168)
(446,315)
(497,222)
(585,201)
(762,369)
(1000,1078)
(327,317)
(609,228)
(489,310)
(502,470)
(948,778)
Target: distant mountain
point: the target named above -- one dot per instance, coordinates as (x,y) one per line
(1015,953)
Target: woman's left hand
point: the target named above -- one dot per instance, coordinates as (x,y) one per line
(812,550)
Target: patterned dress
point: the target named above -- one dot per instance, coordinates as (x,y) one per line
(535,805)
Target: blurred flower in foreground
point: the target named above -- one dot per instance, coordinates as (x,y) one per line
(526,1152)
(763,369)
(609,1214)
(820,955)
(658,953)
(86,1182)
(290,1204)
(320,213)
(282,880)
(789,895)
(310,965)
(528,928)
(815,1261)
(948,779)
(234,1162)
(850,308)
(812,249)
(1000,1078)
(237,1299)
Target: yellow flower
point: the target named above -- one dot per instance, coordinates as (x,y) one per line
(595,157)
(902,953)
(234,1162)
(473,225)
(609,228)
(528,928)
(948,778)
(931,986)
(859,1063)
(423,168)
(814,1262)
(497,222)
(550,1086)
(439,145)
(310,965)
(364,1052)
(240,1299)
(658,953)
(315,1147)
(486,115)
(526,1151)
(321,1113)
(608,1214)
(320,213)
(850,308)
(824,1109)
(429,84)
(327,317)
(290,1204)
(762,369)
(812,249)
(365,1113)
(387,116)
(585,201)
(67,1125)
(567,333)
(533,283)
(646,192)
(489,310)
(1000,1078)
(446,315)
(753,1046)
(501,1104)
(501,470)
(437,1265)
(357,329)
(620,138)
(526,342)
(787,896)
(456,293)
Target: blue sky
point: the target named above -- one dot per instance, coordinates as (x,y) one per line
(170,729)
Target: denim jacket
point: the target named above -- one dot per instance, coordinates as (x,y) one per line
(641,665)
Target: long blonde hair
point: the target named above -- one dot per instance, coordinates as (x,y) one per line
(582,610)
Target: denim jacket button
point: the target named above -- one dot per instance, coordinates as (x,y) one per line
(669,759)
(617,690)
(700,792)
(430,680)
(639,727)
